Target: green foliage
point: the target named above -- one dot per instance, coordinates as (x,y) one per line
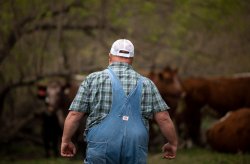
(6,17)
(210,15)
(147,8)
(120,13)
(205,30)
(184,26)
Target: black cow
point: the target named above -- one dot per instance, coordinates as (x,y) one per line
(57,97)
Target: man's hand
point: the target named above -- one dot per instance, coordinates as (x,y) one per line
(71,124)
(169,151)
(167,128)
(68,149)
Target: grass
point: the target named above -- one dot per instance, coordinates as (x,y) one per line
(201,156)
(185,156)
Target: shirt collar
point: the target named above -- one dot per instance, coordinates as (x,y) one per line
(120,64)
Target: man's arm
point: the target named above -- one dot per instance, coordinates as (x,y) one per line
(70,126)
(168,130)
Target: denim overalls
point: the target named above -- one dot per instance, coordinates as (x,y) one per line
(121,138)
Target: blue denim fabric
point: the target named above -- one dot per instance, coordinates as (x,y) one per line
(121,138)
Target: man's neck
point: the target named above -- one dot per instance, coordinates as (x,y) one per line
(113,58)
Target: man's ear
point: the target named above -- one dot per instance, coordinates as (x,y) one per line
(110,58)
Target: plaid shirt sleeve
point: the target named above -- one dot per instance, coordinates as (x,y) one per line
(159,104)
(81,100)
(152,101)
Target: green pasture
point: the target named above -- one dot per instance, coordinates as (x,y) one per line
(185,156)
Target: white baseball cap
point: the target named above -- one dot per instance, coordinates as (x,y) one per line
(122,47)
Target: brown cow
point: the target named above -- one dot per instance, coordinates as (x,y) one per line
(231,133)
(221,94)
(169,86)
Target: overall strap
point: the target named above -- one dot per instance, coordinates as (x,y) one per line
(116,83)
(137,90)
(119,98)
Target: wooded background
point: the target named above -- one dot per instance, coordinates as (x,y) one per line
(45,38)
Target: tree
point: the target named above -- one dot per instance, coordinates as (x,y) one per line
(42,38)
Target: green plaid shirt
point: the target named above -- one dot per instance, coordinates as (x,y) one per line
(94,96)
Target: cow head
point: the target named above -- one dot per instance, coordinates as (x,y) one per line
(54,94)
(168,84)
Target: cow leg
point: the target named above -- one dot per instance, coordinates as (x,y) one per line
(55,146)
(46,134)
(192,119)
(46,144)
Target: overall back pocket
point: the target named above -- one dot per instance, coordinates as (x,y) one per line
(96,153)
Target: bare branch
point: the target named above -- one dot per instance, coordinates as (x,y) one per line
(53,13)
(87,29)
(33,80)
(12,38)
